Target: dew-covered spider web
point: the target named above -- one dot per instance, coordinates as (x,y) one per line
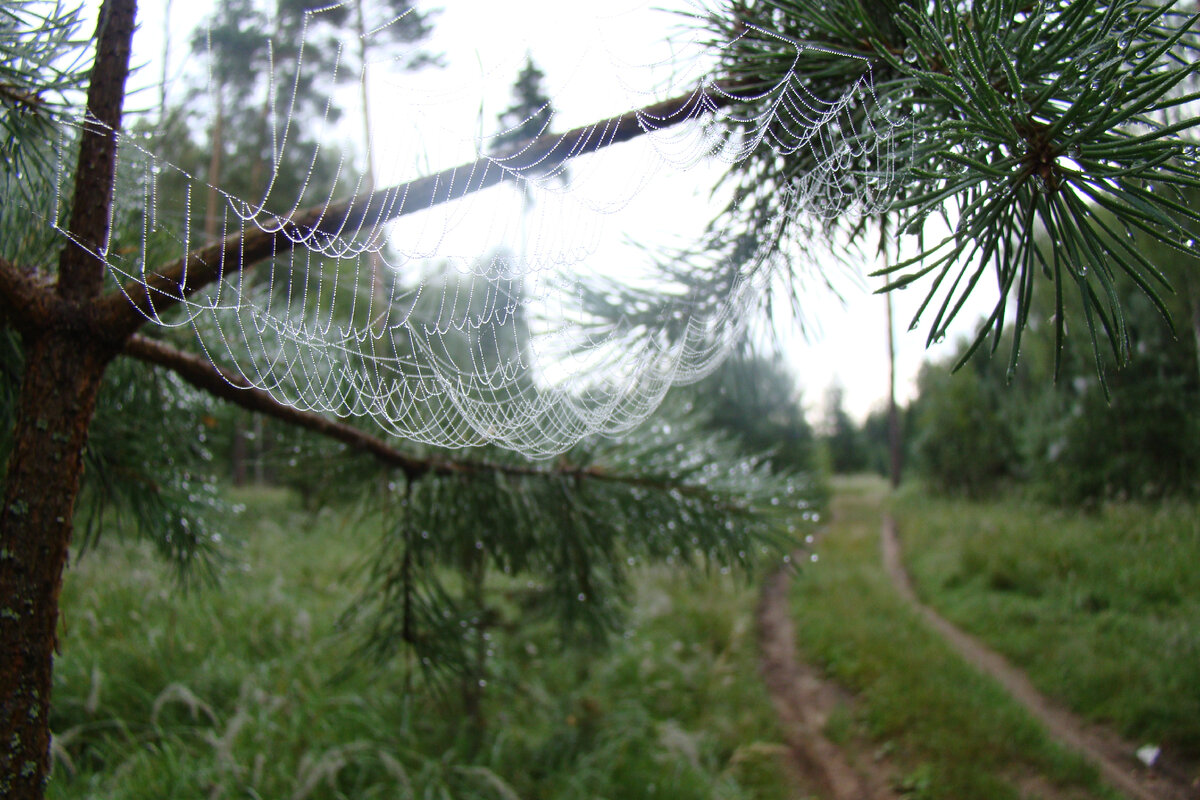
(456,315)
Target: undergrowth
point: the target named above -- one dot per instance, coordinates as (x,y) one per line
(248,690)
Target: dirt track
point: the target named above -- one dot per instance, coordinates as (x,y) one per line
(1114,757)
(803,700)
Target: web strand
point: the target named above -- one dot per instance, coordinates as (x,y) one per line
(457,316)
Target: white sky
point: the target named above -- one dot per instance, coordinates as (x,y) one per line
(600,59)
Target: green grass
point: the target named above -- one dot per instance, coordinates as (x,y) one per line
(1102,610)
(231,692)
(952,732)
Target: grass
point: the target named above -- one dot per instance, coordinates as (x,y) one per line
(952,732)
(230,692)
(1102,609)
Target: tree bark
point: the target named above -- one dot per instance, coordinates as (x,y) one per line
(58,395)
(66,354)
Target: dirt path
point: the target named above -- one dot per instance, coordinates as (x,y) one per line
(804,701)
(1114,757)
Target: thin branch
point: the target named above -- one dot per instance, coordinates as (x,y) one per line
(20,99)
(234,388)
(80,273)
(168,286)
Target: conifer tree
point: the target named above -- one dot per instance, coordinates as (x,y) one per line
(530,113)
(1016,117)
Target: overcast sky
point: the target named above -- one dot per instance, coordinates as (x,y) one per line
(600,59)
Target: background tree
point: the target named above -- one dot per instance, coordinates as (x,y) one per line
(842,438)
(1053,426)
(964,440)
(753,398)
(68,341)
(530,113)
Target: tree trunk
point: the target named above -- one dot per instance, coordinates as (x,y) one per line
(65,358)
(1196,323)
(895,447)
(58,396)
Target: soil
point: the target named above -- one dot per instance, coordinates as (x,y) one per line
(804,701)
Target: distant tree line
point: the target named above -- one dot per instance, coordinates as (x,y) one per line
(1068,432)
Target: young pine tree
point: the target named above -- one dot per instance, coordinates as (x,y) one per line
(1009,117)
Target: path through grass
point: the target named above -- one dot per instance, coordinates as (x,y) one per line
(1101,610)
(953,732)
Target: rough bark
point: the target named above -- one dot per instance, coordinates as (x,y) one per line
(65,358)
(58,395)
(70,334)
(80,273)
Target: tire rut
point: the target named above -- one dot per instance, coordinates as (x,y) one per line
(803,701)
(1113,756)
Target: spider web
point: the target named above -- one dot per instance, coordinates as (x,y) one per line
(504,316)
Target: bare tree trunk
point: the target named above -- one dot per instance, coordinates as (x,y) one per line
(213,176)
(212,233)
(166,64)
(237,451)
(58,396)
(894,449)
(377,289)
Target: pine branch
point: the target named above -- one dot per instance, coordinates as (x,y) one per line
(234,388)
(124,312)
(80,272)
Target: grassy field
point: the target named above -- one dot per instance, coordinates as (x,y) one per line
(249,690)
(231,692)
(951,732)
(1102,610)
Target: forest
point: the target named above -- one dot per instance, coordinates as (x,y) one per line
(335,469)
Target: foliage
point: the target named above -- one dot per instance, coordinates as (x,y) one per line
(753,398)
(1073,440)
(1098,608)
(877,443)
(1017,118)
(842,438)
(1014,106)
(43,63)
(964,441)
(565,544)
(530,113)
